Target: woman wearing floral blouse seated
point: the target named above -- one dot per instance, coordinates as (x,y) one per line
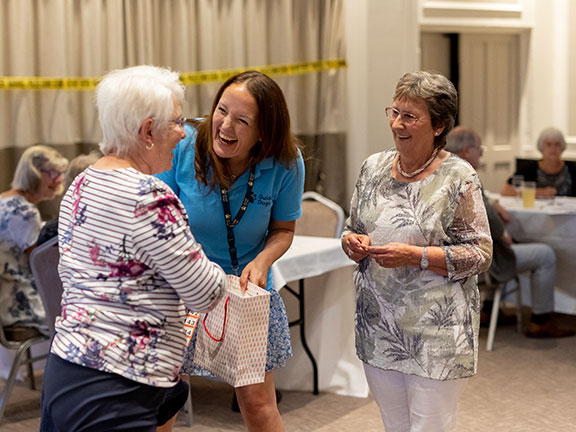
(129,264)
(38,177)
(419,232)
(553,176)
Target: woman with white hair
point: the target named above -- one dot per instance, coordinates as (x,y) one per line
(129,265)
(553,176)
(38,177)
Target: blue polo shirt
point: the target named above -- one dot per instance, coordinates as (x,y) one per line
(277,194)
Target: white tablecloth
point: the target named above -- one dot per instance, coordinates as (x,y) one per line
(552,222)
(330,305)
(308,257)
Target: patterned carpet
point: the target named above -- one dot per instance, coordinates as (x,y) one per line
(523,385)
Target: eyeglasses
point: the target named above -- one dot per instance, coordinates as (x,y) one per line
(180,122)
(52,173)
(407,118)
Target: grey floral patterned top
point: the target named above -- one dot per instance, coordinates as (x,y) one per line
(411,320)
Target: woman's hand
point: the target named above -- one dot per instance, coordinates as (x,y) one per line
(392,255)
(279,239)
(355,246)
(255,272)
(546,192)
(508,190)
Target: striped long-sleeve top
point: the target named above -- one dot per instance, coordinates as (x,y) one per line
(129,265)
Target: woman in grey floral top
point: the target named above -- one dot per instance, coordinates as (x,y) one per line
(419,232)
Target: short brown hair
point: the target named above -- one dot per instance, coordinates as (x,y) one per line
(438,93)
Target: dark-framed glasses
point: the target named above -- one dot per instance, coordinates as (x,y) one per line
(52,173)
(407,118)
(180,122)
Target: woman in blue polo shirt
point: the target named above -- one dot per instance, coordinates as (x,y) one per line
(242,164)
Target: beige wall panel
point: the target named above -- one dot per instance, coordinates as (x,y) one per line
(489,100)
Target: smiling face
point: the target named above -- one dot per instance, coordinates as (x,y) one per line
(235,124)
(417,138)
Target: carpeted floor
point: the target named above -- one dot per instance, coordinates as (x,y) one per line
(523,385)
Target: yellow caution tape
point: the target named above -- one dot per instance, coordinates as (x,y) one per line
(188,78)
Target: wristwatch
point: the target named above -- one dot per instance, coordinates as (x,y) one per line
(424,263)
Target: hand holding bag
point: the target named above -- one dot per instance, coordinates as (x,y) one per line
(232,338)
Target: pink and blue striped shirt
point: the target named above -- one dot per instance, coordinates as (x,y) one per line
(129,265)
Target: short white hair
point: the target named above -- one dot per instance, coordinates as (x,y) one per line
(127,97)
(548,134)
(28,174)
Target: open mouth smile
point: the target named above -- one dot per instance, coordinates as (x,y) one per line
(227,139)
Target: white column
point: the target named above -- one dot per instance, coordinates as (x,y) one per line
(382,43)
(549,86)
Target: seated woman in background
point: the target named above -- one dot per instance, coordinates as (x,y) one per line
(38,178)
(553,176)
(76,166)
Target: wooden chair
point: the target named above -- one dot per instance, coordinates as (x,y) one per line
(321,217)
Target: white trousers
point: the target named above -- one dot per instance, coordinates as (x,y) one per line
(409,403)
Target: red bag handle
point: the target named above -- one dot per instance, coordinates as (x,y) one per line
(223,325)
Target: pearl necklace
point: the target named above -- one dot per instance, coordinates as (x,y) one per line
(419,170)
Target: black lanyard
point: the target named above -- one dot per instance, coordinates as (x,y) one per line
(230,223)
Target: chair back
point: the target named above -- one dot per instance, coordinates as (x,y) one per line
(321,217)
(522,164)
(44,264)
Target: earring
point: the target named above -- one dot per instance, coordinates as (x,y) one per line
(150,146)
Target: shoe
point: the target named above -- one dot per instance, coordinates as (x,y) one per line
(236,407)
(548,330)
(504,319)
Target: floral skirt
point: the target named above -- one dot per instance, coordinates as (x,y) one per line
(279,349)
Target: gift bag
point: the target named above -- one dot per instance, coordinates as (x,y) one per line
(233,337)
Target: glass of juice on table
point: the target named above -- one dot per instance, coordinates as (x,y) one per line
(528,193)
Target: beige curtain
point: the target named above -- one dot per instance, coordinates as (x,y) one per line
(86,38)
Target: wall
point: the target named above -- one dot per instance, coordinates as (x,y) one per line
(546,57)
(382,40)
(552,73)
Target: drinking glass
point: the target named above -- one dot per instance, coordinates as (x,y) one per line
(528,193)
(517,181)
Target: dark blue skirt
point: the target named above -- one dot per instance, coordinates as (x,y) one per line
(78,398)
